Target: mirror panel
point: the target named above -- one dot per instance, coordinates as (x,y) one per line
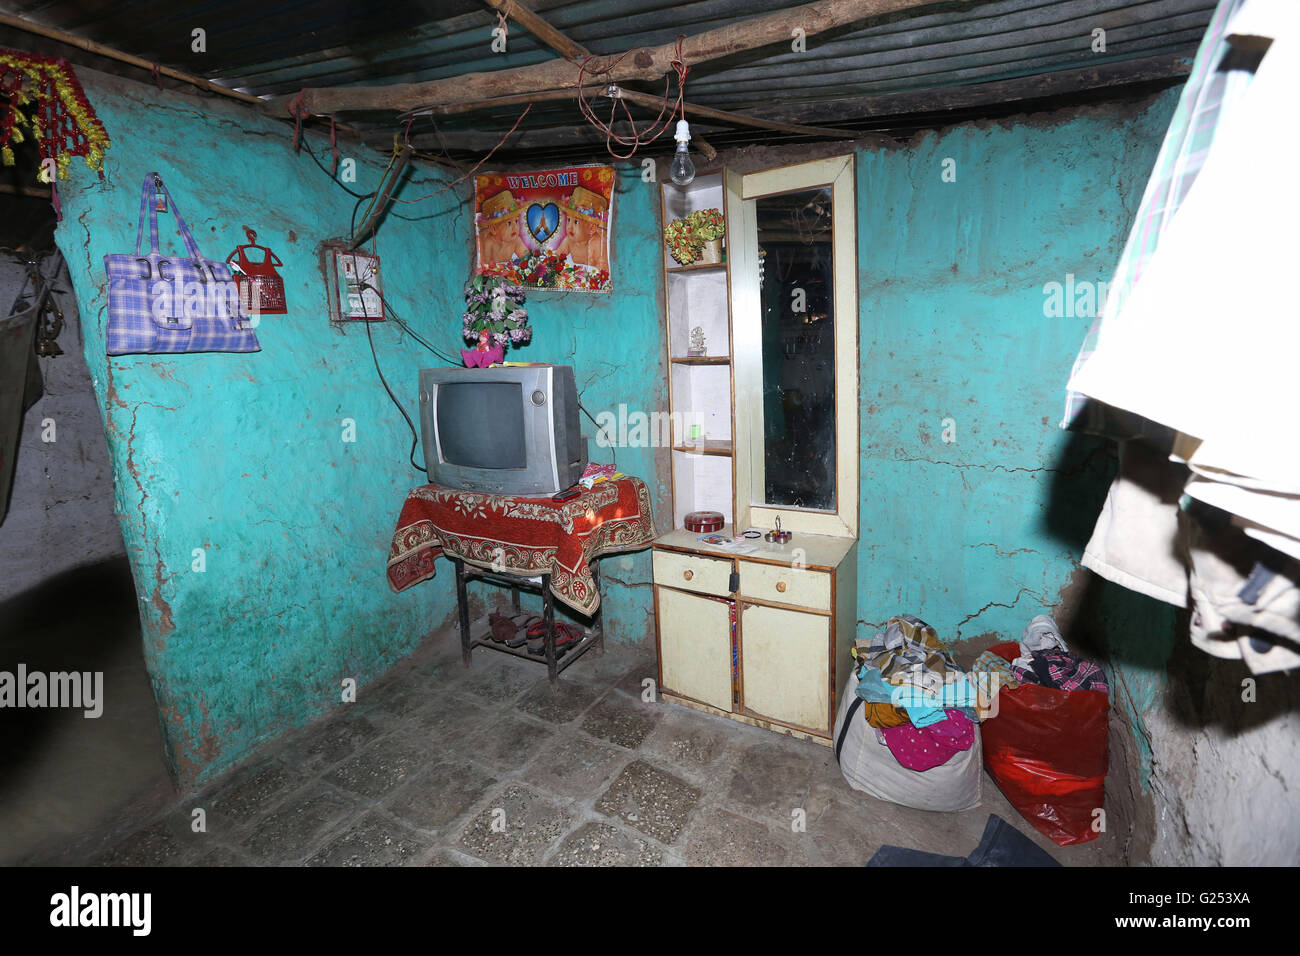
(793,282)
(796,277)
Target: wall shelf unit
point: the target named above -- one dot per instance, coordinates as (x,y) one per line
(761,633)
(700,266)
(711,446)
(702,360)
(698,296)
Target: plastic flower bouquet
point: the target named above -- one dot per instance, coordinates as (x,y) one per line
(494,318)
(708,224)
(683,243)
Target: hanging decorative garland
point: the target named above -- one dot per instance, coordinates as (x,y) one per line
(61,120)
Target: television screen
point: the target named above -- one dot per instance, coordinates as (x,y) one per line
(494,413)
(506,430)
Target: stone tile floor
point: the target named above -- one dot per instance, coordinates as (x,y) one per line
(438,764)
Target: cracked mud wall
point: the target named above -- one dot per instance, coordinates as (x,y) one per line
(964,521)
(237,461)
(243,457)
(1226,779)
(976,506)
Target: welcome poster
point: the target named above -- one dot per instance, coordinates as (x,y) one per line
(548,229)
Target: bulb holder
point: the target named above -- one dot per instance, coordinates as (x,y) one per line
(683,134)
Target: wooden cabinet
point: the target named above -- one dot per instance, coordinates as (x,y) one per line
(761,633)
(773,652)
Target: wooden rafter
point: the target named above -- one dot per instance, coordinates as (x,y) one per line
(99,49)
(643,64)
(61,36)
(889,110)
(540,28)
(486,140)
(641,99)
(567,47)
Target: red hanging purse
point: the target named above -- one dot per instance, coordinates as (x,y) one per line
(261,290)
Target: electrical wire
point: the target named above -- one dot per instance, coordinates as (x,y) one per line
(474,168)
(657,127)
(332,177)
(416,335)
(352,223)
(379,191)
(361,197)
(612,450)
(415,436)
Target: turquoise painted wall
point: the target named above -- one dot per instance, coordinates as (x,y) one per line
(975,504)
(243,456)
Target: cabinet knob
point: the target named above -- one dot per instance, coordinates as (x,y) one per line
(780,586)
(688,575)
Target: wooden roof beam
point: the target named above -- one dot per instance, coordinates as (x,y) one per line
(540,28)
(644,64)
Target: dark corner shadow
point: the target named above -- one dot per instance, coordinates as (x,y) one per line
(1128,631)
(1100,619)
(1208,692)
(1081,474)
(80,620)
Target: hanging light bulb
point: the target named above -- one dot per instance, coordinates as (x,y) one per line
(682,169)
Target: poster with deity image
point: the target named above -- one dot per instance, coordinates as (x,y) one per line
(546,230)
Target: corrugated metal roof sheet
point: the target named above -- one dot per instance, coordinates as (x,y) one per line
(280,47)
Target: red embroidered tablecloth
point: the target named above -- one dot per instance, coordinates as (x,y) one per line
(523,536)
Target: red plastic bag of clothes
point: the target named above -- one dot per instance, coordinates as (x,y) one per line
(1046,749)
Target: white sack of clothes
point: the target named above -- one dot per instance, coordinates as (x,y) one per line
(869,765)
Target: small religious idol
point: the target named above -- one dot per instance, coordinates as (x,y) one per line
(697,341)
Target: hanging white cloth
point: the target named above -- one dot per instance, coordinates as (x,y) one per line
(1207,339)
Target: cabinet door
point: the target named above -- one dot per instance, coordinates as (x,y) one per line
(785,665)
(695,646)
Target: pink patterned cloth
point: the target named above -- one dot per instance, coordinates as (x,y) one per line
(594,472)
(921,748)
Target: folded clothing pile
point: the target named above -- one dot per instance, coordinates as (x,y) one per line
(921,704)
(918,741)
(991,674)
(1044,659)
(1045,741)
(1062,670)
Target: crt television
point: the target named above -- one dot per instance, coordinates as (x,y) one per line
(507,430)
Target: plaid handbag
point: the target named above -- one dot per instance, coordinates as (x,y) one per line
(159,304)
